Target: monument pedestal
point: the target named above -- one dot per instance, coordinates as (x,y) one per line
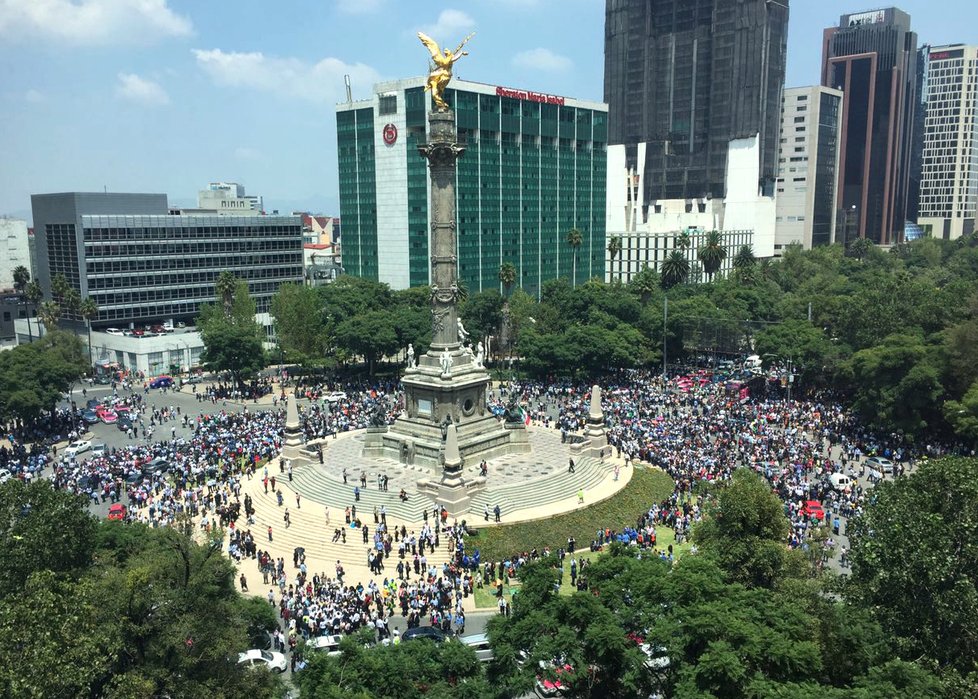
(293,446)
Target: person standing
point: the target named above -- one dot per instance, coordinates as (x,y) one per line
(356,493)
(496,511)
(570,467)
(485,511)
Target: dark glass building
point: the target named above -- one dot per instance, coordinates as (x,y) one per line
(141,265)
(872,58)
(687,77)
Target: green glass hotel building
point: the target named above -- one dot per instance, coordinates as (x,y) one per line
(534,168)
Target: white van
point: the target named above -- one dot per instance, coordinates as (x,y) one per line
(840,481)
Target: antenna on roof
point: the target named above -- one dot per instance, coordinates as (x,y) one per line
(349,90)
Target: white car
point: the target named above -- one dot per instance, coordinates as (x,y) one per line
(336,397)
(76,448)
(4,475)
(114,331)
(878,463)
(329,643)
(270,659)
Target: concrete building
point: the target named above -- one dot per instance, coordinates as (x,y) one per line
(533,169)
(228,198)
(143,266)
(322,263)
(808,168)
(949,172)
(872,58)
(640,249)
(319,230)
(14,250)
(14,307)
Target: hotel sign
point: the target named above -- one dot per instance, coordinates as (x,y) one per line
(944,55)
(529,96)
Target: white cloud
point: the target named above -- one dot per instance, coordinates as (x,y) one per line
(542,59)
(316,82)
(34,96)
(359,7)
(91,21)
(140,90)
(450,25)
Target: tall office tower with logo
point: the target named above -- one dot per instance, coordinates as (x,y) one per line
(949,174)
(533,170)
(872,58)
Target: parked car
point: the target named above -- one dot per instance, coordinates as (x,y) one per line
(161,382)
(336,396)
(157,465)
(878,463)
(90,417)
(556,687)
(430,633)
(114,331)
(98,449)
(138,332)
(479,642)
(4,475)
(158,329)
(123,424)
(270,659)
(92,404)
(77,447)
(840,481)
(117,511)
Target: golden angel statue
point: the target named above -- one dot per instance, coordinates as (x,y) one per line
(441,72)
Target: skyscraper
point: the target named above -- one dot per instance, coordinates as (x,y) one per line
(949,174)
(809,168)
(688,77)
(533,169)
(872,58)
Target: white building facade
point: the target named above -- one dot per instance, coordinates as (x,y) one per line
(949,174)
(650,230)
(14,250)
(808,166)
(229,198)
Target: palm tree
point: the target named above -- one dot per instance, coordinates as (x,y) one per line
(744,258)
(88,309)
(507,276)
(49,313)
(21,277)
(645,283)
(574,239)
(712,253)
(59,288)
(72,302)
(684,241)
(33,294)
(225,286)
(675,269)
(614,249)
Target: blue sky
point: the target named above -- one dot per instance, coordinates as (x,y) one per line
(167,95)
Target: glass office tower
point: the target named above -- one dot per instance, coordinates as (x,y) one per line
(533,169)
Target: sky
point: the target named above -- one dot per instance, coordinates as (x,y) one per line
(168,95)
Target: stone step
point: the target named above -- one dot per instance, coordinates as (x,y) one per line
(588,473)
(326,490)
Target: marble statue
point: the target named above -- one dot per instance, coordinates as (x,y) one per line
(463,334)
(480,354)
(410,356)
(441,71)
(446,362)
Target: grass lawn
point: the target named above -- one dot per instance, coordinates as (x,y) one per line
(646,487)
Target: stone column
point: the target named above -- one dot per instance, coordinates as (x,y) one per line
(442,151)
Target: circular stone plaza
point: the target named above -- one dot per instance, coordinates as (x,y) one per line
(525,486)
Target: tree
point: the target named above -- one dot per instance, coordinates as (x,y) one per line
(300,323)
(507,277)
(963,415)
(747,532)
(712,253)
(49,313)
(88,309)
(33,294)
(614,249)
(482,315)
(744,258)
(675,269)
(233,341)
(225,286)
(370,335)
(858,248)
(59,289)
(684,241)
(574,239)
(34,377)
(798,340)
(915,562)
(21,277)
(645,283)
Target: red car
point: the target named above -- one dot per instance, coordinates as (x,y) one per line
(117,511)
(813,508)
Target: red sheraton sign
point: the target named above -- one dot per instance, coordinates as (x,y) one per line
(529,96)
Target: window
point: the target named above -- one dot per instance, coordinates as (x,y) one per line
(799,119)
(388,104)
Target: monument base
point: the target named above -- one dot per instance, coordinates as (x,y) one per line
(453,492)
